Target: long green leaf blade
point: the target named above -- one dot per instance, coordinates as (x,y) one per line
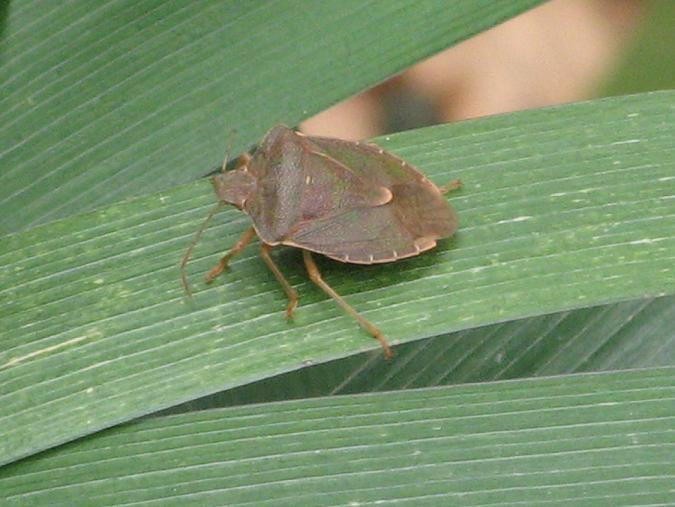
(590,440)
(562,208)
(126,97)
(620,336)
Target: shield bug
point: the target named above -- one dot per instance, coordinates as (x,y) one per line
(350,201)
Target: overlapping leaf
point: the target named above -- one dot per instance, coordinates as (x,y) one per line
(603,439)
(124,98)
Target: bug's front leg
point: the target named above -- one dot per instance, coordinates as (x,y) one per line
(290,291)
(242,161)
(450,186)
(243,241)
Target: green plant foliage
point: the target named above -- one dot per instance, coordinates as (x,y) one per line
(563,263)
(125,97)
(594,439)
(95,310)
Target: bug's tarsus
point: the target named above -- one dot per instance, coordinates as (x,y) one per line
(288,289)
(315,276)
(450,186)
(242,242)
(188,252)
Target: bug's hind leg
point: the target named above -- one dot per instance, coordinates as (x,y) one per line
(450,186)
(315,276)
(290,291)
(243,241)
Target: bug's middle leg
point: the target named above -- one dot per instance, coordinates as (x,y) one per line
(243,241)
(290,291)
(315,276)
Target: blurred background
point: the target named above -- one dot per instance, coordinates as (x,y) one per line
(563,51)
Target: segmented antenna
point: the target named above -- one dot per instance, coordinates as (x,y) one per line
(198,234)
(188,252)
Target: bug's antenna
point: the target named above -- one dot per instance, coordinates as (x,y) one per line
(227,157)
(200,231)
(188,252)
(229,150)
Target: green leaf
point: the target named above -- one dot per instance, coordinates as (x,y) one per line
(561,208)
(126,97)
(586,440)
(630,334)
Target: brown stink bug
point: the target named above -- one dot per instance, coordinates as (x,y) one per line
(350,201)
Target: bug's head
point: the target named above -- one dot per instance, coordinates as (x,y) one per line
(234,187)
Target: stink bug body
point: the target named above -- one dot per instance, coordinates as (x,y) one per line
(350,201)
